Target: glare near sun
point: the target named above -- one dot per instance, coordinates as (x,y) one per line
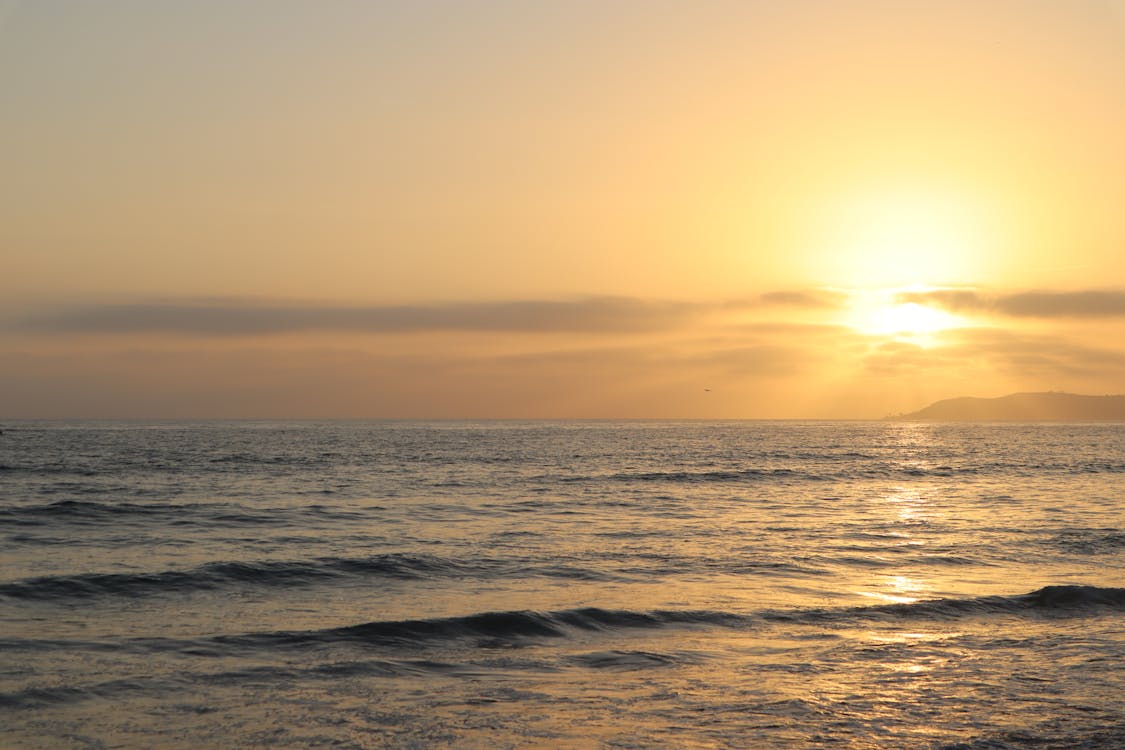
(894,242)
(881,313)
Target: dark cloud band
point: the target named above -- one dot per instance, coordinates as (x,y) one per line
(235,318)
(1078,304)
(587,316)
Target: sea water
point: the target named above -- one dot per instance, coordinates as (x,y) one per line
(563,584)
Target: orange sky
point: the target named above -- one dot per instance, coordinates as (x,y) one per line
(581,209)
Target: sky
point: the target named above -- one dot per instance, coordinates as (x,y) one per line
(611,209)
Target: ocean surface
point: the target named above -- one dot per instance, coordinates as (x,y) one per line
(562,584)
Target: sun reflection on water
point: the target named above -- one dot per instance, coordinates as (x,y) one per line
(906,511)
(898,589)
(909,507)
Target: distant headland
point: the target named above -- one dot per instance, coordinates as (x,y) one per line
(1023,407)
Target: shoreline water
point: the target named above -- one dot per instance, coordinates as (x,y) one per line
(609,584)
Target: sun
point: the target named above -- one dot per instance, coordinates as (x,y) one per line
(884,241)
(907,317)
(882,313)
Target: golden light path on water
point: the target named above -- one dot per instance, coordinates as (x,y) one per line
(905,508)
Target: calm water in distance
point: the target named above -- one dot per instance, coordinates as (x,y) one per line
(562,584)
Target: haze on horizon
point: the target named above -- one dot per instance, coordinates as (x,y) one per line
(499,209)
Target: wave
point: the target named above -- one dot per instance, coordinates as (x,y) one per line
(737,475)
(1061,600)
(624,661)
(80,511)
(868,470)
(49,471)
(490,628)
(90,512)
(690,477)
(507,628)
(1049,737)
(281,574)
(37,698)
(484,629)
(40,697)
(1090,541)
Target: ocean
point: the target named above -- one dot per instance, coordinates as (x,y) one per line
(562,585)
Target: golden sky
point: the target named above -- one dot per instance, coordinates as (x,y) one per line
(463,208)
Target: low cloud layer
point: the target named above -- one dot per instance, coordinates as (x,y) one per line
(766,371)
(1090,303)
(258,381)
(1035,358)
(814,299)
(780,354)
(235,318)
(206,319)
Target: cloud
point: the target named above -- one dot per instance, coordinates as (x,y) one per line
(806,299)
(818,299)
(1019,355)
(762,360)
(592,315)
(759,372)
(203,380)
(1083,304)
(954,300)
(900,359)
(1040,355)
(235,317)
(1089,303)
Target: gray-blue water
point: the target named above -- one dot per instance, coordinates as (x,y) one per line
(566,584)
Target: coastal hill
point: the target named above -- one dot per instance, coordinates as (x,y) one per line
(1024,407)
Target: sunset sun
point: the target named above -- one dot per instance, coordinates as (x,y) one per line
(883,313)
(905,239)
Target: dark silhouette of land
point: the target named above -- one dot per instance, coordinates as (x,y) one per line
(1023,407)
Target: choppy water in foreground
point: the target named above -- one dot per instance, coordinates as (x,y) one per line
(492,585)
